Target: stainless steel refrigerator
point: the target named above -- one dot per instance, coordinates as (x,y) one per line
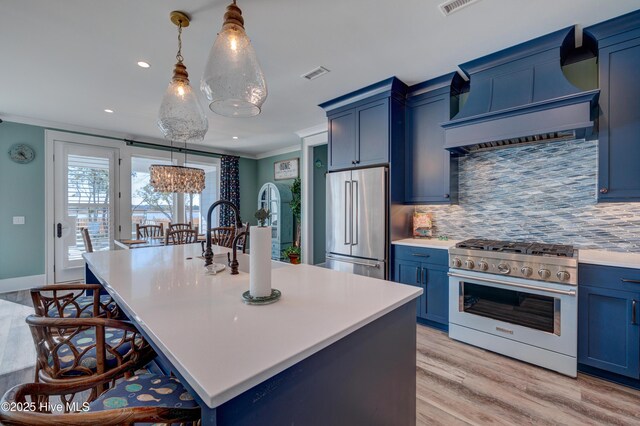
(357,221)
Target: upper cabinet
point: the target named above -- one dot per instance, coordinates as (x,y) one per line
(619,146)
(363,125)
(430,170)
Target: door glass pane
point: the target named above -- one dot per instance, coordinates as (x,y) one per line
(197,205)
(148,207)
(88,202)
(515,307)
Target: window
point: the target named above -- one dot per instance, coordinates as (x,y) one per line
(196,205)
(147,206)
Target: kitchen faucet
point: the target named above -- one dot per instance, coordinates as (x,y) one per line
(208,254)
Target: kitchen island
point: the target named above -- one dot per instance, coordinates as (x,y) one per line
(336,349)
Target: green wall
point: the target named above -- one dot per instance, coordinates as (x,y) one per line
(248,189)
(319,204)
(22,248)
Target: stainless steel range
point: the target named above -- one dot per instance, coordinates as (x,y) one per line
(518,299)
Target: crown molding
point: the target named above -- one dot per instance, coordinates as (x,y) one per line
(279,151)
(314,130)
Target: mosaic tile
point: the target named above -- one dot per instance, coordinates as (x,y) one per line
(544,192)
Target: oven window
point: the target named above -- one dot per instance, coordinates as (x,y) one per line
(512,306)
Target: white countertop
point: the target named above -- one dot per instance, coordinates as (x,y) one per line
(220,345)
(609,258)
(427,243)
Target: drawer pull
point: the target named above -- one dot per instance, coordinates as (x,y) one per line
(420,255)
(633,312)
(624,280)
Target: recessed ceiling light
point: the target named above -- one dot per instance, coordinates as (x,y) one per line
(143,64)
(110,111)
(235,137)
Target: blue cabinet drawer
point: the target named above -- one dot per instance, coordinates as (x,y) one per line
(611,277)
(419,254)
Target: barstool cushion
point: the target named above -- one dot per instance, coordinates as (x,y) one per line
(84,339)
(70,311)
(145,390)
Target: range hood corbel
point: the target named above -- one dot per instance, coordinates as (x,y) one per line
(520,96)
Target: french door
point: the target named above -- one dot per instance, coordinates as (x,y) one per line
(85,196)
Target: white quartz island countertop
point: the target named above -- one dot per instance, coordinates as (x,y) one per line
(220,345)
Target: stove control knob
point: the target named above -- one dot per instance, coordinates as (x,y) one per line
(503,268)
(469,263)
(526,271)
(544,273)
(457,262)
(483,266)
(563,275)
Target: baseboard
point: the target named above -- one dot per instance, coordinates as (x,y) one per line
(21,283)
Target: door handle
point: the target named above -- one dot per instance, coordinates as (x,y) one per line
(354,204)
(634,320)
(59,230)
(347,212)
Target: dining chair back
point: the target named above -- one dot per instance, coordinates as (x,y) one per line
(175,226)
(223,236)
(242,241)
(181,236)
(88,246)
(149,231)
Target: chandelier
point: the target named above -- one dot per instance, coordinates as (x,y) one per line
(233,81)
(178,179)
(181,117)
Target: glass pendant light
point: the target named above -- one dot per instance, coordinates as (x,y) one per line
(233,81)
(181,117)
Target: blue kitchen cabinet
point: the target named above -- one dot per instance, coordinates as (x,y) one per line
(618,43)
(363,126)
(608,317)
(431,171)
(427,269)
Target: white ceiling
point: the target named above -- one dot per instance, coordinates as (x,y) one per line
(66,61)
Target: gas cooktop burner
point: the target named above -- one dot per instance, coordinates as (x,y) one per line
(534,249)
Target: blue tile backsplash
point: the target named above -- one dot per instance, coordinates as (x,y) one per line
(544,192)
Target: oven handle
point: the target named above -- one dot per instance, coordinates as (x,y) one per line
(530,287)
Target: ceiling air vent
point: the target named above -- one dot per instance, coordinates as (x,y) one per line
(315,73)
(450,6)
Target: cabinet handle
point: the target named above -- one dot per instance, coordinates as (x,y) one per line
(604,190)
(418,276)
(633,312)
(446,195)
(624,280)
(353,162)
(420,255)
(424,276)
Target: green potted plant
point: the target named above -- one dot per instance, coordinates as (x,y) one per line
(262,215)
(296,208)
(293,253)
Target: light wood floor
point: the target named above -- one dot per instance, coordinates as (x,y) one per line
(460,384)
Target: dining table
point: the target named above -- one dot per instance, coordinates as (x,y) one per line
(129,243)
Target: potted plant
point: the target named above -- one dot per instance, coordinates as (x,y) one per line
(262,215)
(296,208)
(293,253)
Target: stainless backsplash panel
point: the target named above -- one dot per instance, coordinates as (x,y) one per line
(544,192)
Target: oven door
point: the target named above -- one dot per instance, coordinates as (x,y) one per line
(536,313)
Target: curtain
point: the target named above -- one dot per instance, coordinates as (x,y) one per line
(229,187)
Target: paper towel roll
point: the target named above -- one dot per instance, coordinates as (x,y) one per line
(260,261)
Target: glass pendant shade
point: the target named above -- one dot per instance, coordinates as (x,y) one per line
(189,180)
(181,117)
(233,81)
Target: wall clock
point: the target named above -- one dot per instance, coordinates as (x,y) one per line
(21,153)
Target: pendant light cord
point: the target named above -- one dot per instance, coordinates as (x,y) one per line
(179,57)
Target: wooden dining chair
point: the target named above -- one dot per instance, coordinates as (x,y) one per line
(181,236)
(143,398)
(176,226)
(71,301)
(223,236)
(240,245)
(79,350)
(88,246)
(149,231)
